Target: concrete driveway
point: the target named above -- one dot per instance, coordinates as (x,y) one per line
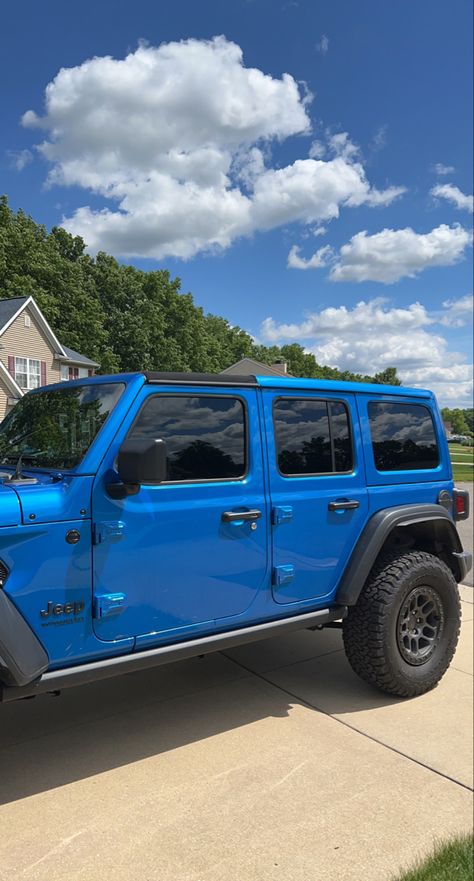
(274,762)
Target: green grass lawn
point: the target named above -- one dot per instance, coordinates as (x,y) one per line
(449,862)
(462,459)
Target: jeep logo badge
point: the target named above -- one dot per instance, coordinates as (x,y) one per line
(62,609)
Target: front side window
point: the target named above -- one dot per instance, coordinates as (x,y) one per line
(54,429)
(312,437)
(27,373)
(205,435)
(403,436)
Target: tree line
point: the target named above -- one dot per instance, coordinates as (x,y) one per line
(462,421)
(128,319)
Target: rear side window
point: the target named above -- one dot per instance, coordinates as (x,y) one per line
(312,436)
(403,436)
(205,436)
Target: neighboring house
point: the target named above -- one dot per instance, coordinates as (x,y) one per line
(249,366)
(30,353)
(448,428)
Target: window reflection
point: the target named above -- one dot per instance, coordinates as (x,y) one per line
(204,435)
(312,436)
(403,436)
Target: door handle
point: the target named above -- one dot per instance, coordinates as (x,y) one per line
(344,505)
(231,516)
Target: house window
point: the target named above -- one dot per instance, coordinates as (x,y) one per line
(72,372)
(27,373)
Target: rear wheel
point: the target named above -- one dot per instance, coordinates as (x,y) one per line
(402,633)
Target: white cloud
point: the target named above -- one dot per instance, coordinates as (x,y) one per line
(379,139)
(442,170)
(457,313)
(319,258)
(19,159)
(317,150)
(323,44)
(392,254)
(371,316)
(177,139)
(453,194)
(373,335)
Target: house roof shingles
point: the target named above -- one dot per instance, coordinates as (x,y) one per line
(71,355)
(8,308)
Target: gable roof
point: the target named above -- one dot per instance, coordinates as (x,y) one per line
(250,365)
(11,308)
(21,304)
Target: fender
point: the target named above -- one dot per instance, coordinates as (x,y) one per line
(22,657)
(375,534)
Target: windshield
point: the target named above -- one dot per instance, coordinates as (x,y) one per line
(54,429)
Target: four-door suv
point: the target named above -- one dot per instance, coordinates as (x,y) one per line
(155,516)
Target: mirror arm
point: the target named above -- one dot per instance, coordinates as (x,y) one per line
(121,490)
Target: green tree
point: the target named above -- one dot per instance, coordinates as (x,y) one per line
(457,418)
(128,319)
(387,377)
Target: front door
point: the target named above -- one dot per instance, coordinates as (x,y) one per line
(170,560)
(317,487)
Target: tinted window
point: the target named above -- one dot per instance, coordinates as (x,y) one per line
(54,429)
(341,436)
(403,436)
(205,436)
(312,437)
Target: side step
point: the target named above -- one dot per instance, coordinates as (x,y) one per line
(67,677)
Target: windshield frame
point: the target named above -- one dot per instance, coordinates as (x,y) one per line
(89,460)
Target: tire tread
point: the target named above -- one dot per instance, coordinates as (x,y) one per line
(365,627)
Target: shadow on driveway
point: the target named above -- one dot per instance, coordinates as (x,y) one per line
(51,741)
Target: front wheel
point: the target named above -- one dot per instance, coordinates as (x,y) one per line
(402,633)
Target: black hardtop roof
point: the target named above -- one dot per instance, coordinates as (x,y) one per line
(287,382)
(201,378)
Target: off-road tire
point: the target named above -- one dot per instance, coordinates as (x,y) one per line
(371,631)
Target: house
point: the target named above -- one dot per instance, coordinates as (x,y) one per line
(248,366)
(30,353)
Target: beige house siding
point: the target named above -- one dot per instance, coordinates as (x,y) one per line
(4,395)
(29,342)
(26,342)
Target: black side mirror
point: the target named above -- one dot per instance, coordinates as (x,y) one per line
(140,460)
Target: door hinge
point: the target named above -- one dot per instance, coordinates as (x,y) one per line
(283,574)
(282,514)
(109,604)
(111,530)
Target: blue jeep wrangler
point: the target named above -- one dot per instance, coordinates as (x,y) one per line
(151,517)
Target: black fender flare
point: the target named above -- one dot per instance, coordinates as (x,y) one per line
(376,533)
(22,656)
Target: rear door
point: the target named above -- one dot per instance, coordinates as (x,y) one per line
(317,486)
(183,553)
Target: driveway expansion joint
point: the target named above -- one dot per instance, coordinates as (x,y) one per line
(311,706)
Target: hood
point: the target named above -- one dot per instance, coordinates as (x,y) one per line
(47,499)
(10,513)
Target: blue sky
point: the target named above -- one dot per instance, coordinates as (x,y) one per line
(307,174)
